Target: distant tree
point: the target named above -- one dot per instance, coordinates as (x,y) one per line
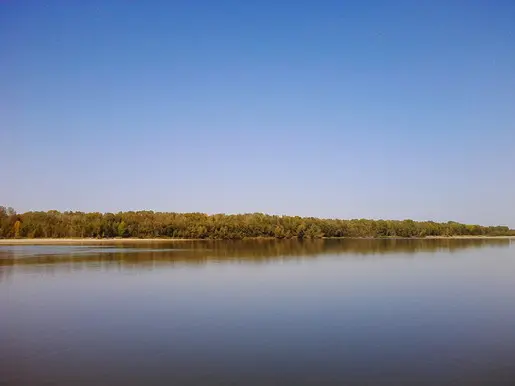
(122,229)
(313,232)
(16,229)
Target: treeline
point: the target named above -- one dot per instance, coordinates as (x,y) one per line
(149,224)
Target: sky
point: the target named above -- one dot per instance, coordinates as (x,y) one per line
(336,109)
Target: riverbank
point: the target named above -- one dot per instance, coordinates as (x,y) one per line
(55,241)
(82,241)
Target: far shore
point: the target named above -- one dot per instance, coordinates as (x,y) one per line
(54,241)
(83,241)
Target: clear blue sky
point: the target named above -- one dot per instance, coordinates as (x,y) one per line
(375,109)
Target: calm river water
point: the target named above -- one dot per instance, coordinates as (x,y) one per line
(333,312)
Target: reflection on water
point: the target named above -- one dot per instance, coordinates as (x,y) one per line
(199,252)
(320,312)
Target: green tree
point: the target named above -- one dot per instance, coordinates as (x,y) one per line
(122,229)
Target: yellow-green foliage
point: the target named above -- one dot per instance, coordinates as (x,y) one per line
(146,224)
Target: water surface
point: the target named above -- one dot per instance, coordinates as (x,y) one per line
(333,312)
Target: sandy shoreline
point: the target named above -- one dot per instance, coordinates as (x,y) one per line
(82,241)
(135,240)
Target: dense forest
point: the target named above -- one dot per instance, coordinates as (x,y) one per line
(149,224)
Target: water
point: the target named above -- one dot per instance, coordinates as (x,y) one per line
(352,312)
